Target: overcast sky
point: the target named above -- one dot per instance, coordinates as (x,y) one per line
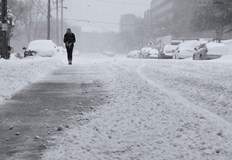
(102,11)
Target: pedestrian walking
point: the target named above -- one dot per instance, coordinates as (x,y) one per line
(69,40)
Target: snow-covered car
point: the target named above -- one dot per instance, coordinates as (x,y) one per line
(108,53)
(43,48)
(211,50)
(168,51)
(144,52)
(186,49)
(153,53)
(133,54)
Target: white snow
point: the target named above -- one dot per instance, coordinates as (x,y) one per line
(18,73)
(217,49)
(228,43)
(156,109)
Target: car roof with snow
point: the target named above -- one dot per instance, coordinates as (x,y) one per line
(41,44)
(189,45)
(146,49)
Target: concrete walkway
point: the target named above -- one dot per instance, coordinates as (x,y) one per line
(30,119)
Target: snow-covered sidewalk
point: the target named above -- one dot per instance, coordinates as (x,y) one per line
(148,118)
(15,73)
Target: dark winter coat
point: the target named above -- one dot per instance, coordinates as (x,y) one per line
(69,39)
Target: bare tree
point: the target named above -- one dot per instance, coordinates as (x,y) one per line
(30,15)
(216,17)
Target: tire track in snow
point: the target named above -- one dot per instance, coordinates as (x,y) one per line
(180,99)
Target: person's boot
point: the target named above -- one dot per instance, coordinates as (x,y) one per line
(70,62)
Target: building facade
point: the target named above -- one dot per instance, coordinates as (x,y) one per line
(147,23)
(173,17)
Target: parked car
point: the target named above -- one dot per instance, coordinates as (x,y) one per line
(43,48)
(210,51)
(167,52)
(144,52)
(186,49)
(133,54)
(200,52)
(153,53)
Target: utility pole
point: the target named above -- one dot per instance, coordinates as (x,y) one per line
(49,20)
(4,52)
(57,23)
(62,21)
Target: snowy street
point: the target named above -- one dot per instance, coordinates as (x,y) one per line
(156,110)
(118,108)
(116,80)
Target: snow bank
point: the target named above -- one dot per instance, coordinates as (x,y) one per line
(18,73)
(228,43)
(217,49)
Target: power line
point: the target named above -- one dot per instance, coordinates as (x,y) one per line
(39,7)
(88,21)
(117,3)
(39,4)
(107,23)
(124,3)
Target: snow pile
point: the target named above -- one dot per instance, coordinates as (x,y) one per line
(18,73)
(145,120)
(217,49)
(228,43)
(44,48)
